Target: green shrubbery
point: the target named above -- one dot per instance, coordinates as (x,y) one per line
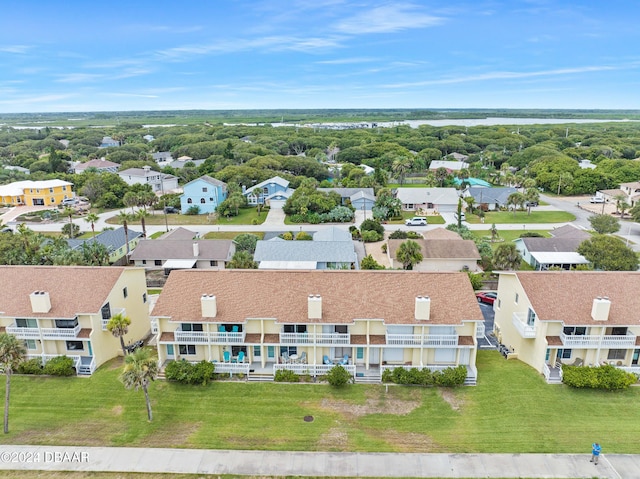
(338,376)
(286,376)
(602,377)
(60,366)
(30,366)
(449,377)
(186,373)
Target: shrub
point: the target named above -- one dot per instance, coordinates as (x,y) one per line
(372,225)
(60,366)
(30,366)
(287,236)
(398,234)
(178,371)
(296,218)
(450,377)
(314,218)
(286,376)
(304,236)
(370,236)
(193,210)
(531,234)
(340,214)
(338,376)
(413,235)
(605,377)
(201,373)
(424,377)
(476,280)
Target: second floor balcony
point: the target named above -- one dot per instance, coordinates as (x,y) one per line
(430,340)
(598,341)
(44,333)
(525,330)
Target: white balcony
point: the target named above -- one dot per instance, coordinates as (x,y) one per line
(191,336)
(297,338)
(23,333)
(332,338)
(220,337)
(312,369)
(405,339)
(519,320)
(432,340)
(114,311)
(598,341)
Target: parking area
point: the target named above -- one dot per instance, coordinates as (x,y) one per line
(489,341)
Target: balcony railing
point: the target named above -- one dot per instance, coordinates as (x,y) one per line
(332,338)
(519,320)
(433,340)
(191,336)
(480,330)
(23,333)
(312,369)
(45,358)
(297,338)
(203,337)
(598,341)
(43,333)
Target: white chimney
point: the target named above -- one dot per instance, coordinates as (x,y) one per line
(315,306)
(40,302)
(600,309)
(196,249)
(423,308)
(208,306)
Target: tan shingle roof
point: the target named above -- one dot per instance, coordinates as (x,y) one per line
(72,289)
(440,248)
(441,233)
(568,295)
(346,295)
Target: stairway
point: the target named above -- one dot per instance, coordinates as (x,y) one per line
(257,377)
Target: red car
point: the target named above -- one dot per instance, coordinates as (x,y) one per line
(488,297)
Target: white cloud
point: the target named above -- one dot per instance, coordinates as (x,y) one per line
(16,49)
(388,19)
(78,77)
(347,61)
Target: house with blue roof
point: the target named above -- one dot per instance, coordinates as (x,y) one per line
(489,198)
(273,192)
(205,192)
(114,241)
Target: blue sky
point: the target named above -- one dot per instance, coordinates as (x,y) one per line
(240,54)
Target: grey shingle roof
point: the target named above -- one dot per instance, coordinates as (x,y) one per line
(491,195)
(552,244)
(220,250)
(112,239)
(320,251)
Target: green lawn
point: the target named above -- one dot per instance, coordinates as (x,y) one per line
(522,217)
(511,409)
(431,219)
(246,216)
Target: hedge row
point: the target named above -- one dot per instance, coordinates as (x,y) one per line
(424,377)
(600,377)
(58,366)
(186,373)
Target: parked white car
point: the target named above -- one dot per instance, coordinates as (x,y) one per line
(416,221)
(596,199)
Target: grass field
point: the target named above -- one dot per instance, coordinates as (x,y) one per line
(511,409)
(231,234)
(506,217)
(506,235)
(246,216)
(431,219)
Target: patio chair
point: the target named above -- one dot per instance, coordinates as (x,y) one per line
(241,357)
(227,356)
(577,362)
(326,360)
(221,329)
(234,329)
(285,358)
(303,358)
(345,360)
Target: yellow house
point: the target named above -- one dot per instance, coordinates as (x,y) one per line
(36,193)
(64,310)
(551,318)
(256,322)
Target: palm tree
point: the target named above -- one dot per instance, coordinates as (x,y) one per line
(141,215)
(531,196)
(130,199)
(441,175)
(400,167)
(494,232)
(506,257)
(69,212)
(12,351)
(140,368)
(118,325)
(123,218)
(409,254)
(619,200)
(92,218)
(515,199)
(242,260)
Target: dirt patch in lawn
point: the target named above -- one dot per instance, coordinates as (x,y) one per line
(410,442)
(372,405)
(117,410)
(451,398)
(95,432)
(335,439)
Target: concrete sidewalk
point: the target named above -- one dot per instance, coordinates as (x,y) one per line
(283,463)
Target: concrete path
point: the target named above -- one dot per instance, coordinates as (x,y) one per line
(328,464)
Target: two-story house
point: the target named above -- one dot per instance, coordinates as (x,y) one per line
(550,318)
(274,192)
(115,241)
(159,182)
(170,254)
(99,165)
(64,310)
(205,192)
(256,322)
(35,193)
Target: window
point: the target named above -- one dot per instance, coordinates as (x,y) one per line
(236,349)
(575,330)
(564,354)
(619,331)
(191,327)
(516,298)
(125,293)
(204,189)
(106,311)
(203,201)
(531,317)
(295,328)
(547,354)
(617,354)
(288,349)
(144,297)
(211,199)
(27,323)
(144,261)
(66,323)
(157,262)
(410,206)
(75,346)
(64,188)
(265,191)
(213,263)
(50,190)
(359,353)
(499,303)
(31,344)
(189,200)
(256,352)
(188,349)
